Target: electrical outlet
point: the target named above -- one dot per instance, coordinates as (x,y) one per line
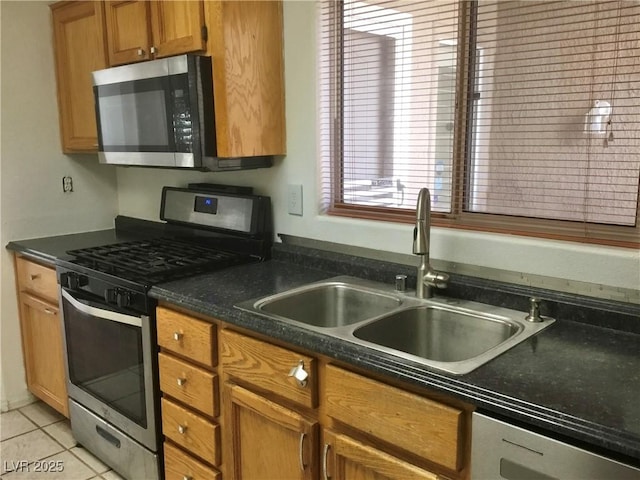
(295,199)
(67,184)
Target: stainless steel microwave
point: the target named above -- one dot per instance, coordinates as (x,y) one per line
(161,114)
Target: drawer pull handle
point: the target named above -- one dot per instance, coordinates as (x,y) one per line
(177,336)
(49,311)
(34,276)
(301,451)
(182,381)
(300,374)
(325,459)
(187,477)
(182,429)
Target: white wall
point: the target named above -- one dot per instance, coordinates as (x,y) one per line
(31,169)
(139,193)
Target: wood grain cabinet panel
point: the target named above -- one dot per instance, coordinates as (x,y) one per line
(139,30)
(177,27)
(37,279)
(349,459)
(178,466)
(246,47)
(187,336)
(269,441)
(418,425)
(128,31)
(268,367)
(191,431)
(80,48)
(41,333)
(193,386)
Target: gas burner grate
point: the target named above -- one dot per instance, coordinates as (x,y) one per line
(155,260)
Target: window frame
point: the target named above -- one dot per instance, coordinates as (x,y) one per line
(564,230)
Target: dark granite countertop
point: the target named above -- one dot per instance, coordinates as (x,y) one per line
(48,249)
(577,380)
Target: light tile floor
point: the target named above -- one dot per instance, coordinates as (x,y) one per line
(36,438)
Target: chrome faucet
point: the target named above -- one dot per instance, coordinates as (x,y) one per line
(427,276)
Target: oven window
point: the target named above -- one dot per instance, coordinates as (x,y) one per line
(136,116)
(106,360)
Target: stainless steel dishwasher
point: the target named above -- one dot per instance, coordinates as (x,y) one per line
(503,451)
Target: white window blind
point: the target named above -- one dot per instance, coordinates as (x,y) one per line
(387,71)
(519,116)
(540,69)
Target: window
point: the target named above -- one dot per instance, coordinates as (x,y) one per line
(519,116)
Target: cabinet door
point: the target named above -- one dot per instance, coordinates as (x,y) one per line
(269,440)
(246,47)
(80,48)
(128,31)
(177,27)
(347,459)
(43,351)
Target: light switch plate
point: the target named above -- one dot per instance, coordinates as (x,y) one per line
(294,199)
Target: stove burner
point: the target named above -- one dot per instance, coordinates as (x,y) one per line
(156,260)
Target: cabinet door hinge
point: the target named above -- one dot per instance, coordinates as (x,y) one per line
(205,33)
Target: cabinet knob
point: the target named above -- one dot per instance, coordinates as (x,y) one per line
(182,429)
(181,381)
(140,52)
(300,374)
(177,336)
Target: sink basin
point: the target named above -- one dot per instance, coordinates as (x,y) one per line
(329,304)
(439,334)
(454,336)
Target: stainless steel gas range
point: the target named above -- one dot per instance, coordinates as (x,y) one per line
(109,319)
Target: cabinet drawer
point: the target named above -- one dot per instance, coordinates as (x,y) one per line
(37,279)
(192,432)
(187,336)
(416,424)
(192,385)
(268,367)
(178,466)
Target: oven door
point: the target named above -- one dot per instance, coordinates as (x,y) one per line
(110,365)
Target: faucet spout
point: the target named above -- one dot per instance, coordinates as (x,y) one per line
(427,276)
(423,223)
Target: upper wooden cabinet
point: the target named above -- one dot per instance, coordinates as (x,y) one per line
(246,46)
(80,48)
(142,30)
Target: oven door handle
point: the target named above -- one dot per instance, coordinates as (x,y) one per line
(100,313)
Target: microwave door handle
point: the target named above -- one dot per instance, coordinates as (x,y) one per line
(98,312)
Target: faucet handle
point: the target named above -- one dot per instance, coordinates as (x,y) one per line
(436,279)
(441,280)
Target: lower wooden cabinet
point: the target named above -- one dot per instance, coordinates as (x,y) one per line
(267,440)
(277,404)
(43,352)
(347,459)
(420,426)
(178,466)
(190,397)
(41,331)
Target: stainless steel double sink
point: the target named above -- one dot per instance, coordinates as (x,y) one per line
(455,336)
